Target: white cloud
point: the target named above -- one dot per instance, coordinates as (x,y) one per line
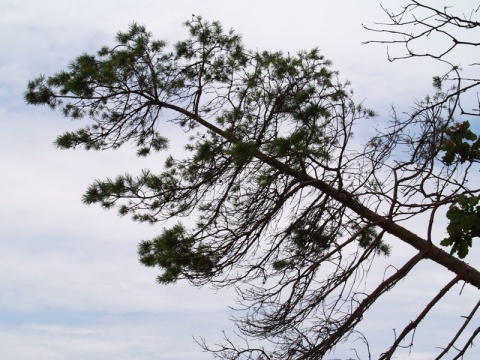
(115,338)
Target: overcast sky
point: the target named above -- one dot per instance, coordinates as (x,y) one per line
(71,286)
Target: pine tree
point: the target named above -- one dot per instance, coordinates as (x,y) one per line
(285,206)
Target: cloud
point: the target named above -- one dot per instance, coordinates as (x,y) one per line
(108,338)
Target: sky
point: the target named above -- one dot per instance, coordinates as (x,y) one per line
(71,286)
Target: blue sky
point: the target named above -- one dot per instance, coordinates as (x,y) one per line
(71,286)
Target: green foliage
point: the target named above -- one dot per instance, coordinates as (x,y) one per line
(460,144)
(102,191)
(369,237)
(311,239)
(242,152)
(300,145)
(306,240)
(281,264)
(282,105)
(174,252)
(137,63)
(437,83)
(464,224)
(267,178)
